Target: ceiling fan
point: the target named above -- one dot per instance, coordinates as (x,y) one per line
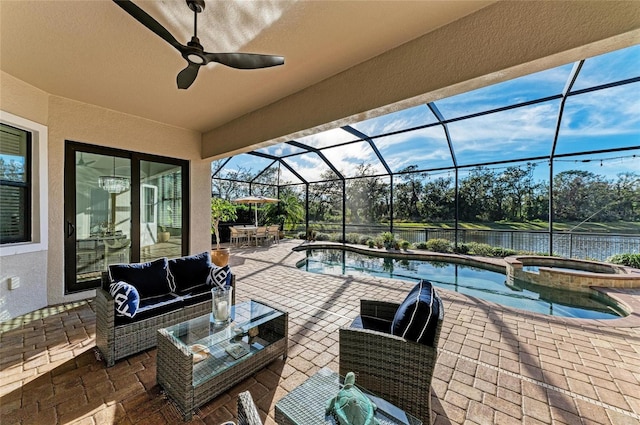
(193,52)
(82,163)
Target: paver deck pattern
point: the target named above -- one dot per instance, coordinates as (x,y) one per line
(496,365)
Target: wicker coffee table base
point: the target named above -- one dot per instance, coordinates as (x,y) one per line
(175,368)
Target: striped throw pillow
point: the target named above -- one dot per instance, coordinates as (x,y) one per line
(125,297)
(417,317)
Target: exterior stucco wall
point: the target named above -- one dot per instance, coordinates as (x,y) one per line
(71,120)
(30,103)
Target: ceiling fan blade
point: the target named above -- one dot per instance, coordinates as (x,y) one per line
(245,60)
(187,76)
(145,19)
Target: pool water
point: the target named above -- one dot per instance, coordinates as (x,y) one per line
(473,281)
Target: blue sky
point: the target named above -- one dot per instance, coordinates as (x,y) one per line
(604,119)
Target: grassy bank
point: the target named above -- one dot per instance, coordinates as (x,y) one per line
(610,227)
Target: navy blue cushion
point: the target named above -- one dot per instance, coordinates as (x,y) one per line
(417,317)
(372,323)
(191,271)
(196,295)
(150,279)
(220,276)
(152,308)
(125,297)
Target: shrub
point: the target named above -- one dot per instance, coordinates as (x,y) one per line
(405,244)
(320,236)
(503,252)
(629,260)
(311,234)
(379,242)
(387,237)
(461,249)
(388,240)
(371,243)
(482,249)
(364,239)
(301,235)
(439,245)
(353,238)
(421,245)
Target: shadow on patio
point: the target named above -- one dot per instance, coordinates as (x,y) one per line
(495,365)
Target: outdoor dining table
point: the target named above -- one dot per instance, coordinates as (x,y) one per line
(248,231)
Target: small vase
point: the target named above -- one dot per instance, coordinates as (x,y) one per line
(221,304)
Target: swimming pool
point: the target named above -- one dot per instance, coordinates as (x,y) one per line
(473,281)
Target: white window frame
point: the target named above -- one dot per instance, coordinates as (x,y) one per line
(39,189)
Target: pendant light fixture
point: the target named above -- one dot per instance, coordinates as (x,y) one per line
(114,184)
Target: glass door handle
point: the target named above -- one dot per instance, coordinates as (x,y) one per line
(71,229)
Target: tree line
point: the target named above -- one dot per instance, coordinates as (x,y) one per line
(485,195)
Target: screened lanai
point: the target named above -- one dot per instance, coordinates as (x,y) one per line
(546,163)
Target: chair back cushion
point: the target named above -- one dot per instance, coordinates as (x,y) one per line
(417,317)
(191,271)
(150,279)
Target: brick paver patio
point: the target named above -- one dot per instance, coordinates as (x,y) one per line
(495,365)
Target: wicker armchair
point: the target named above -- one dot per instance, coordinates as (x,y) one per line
(391,367)
(247,411)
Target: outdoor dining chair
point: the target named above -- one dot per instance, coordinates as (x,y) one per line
(273,233)
(261,234)
(237,236)
(391,366)
(117,249)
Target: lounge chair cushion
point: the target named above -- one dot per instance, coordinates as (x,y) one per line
(150,279)
(189,272)
(220,276)
(125,297)
(417,317)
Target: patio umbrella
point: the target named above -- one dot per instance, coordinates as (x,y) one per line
(255,200)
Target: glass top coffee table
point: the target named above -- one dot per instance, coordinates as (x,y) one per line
(198,360)
(305,405)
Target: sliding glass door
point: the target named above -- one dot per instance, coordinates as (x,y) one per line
(120,207)
(161,210)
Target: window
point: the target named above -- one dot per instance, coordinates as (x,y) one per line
(23,185)
(15,184)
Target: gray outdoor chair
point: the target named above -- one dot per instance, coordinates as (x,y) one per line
(247,411)
(389,366)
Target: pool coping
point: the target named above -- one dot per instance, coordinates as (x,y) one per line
(627,298)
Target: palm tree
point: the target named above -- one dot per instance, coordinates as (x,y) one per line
(287,213)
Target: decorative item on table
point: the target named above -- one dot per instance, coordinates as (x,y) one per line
(200,352)
(253,333)
(221,304)
(351,406)
(238,349)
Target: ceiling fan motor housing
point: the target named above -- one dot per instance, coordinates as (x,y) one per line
(194,52)
(196,5)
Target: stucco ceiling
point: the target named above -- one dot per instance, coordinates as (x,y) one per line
(93,52)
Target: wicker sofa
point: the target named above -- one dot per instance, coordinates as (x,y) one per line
(390,366)
(188,295)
